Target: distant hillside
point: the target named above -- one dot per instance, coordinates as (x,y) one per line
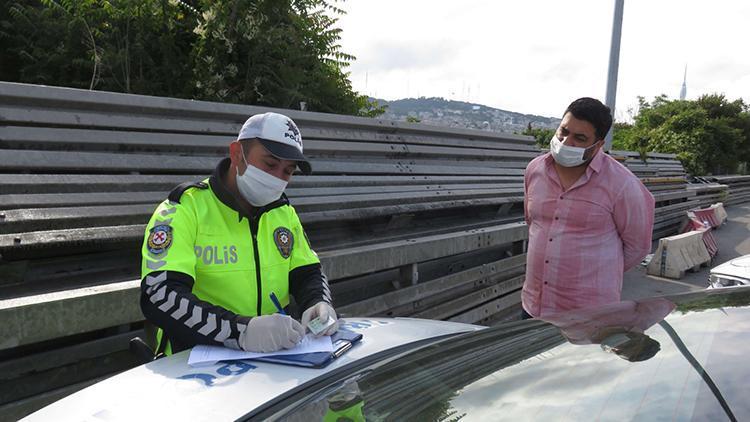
(442,112)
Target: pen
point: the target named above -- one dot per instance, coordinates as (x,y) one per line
(276,303)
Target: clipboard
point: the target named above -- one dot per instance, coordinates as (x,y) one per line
(342,340)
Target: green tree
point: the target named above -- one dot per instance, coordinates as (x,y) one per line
(709,135)
(542,136)
(621,134)
(46,45)
(265,52)
(124,46)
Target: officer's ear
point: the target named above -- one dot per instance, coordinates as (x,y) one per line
(236,151)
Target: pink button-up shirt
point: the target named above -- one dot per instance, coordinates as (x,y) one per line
(582,240)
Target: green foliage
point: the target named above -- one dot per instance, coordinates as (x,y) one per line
(621,132)
(124,46)
(58,50)
(738,298)
(370,108)
(710,135)
(542,136)
(266,52)
(441,409)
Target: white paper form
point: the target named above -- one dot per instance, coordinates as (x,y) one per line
(203,355)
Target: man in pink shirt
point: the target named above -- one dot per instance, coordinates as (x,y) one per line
(590,219)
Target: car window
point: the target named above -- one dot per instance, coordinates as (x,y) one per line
(387,391)
(529,371)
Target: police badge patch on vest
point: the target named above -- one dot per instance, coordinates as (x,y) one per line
(160,239)
(284,241)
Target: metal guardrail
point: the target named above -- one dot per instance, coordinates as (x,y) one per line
(408,219)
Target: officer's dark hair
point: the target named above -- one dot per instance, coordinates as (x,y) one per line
(594,112)
(247,144)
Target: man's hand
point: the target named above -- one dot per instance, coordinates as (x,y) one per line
(270,333)
(321,310)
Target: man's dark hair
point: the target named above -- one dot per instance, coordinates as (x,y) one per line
(640,347)
(594,112)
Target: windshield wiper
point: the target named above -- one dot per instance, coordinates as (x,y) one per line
(698,368)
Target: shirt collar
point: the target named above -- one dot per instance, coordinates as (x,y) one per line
(598,161)
(548,159)
(219,187)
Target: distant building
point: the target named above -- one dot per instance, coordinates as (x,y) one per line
(683,90)
(438,111)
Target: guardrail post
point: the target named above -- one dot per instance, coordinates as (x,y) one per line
(408,274)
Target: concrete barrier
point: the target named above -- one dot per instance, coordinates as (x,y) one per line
(709,240)
(721,214)
(676,254)
(706,215)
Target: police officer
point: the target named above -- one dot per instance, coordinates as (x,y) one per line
(216,251)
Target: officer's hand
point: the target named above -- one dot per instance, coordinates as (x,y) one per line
(270,333)
(321,310)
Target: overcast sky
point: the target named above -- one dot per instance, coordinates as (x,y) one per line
(535,56)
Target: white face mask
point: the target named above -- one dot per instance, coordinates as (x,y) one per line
(567,156)
(258,187)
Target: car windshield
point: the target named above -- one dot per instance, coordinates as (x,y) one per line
(532,371)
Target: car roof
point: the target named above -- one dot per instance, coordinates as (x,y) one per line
(690,368)
(737,267)
(169,389)
(531,367)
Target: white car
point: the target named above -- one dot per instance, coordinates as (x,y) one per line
(664,358)
(735,272)
(170,389)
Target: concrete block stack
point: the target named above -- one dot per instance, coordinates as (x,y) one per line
(665,177)
(739,188)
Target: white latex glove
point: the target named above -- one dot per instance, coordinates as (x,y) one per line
(321,310)
(270,333)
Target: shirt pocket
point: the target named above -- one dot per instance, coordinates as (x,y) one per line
(590,217)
